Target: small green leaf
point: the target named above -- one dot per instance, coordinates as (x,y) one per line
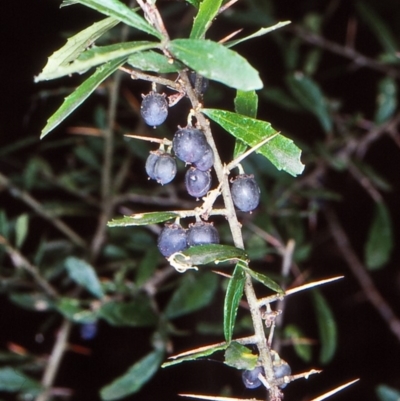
(13,380)
(74,47)
(142,219)
(194,292)
(281,151)
(96,56)
(233,296)
(85,275)
(71,309)
(147,265)
(260,32)
(240,357)
(31,301)
(386,393)
(279,97)
(21,229)
(214,61)
(327,327)
(294,333)
(134,379)
(204,254)
(153,61)
(308,93)
(246,103)
(207,11)
(269,283)
(386,100)
(118,10)
(136,313)
(380,239)
(195,355)
(76,98)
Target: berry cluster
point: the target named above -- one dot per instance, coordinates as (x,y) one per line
(173,238)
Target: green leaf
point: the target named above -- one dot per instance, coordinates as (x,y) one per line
(281,151)
(36,302)
(308,93)
(204,254)
(380,29)
(136,313)
(85,275)
(118,10)
(279,97)
(147,265)
(74,47)
(13,380)
(240,357)
(246,103)
(260,32)
(194,292)
(21,229)
(153,61)
(386,100)
(269,283)
(142,219)
(380,238)
(214,61)
(96,56)
(76,98)
(386,393)
(294,333)
(134,379)
(195,355)
(233,296)
(71,309)
(207,12)
(327,327)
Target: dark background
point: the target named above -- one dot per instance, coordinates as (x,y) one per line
(31,30)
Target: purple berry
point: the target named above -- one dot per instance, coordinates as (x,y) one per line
(172,239)
(161,167)
(281,370)
(245,193)
(206,161)
(202,233)
(189,144)
(250,377)
(154,109)
(197,182)
(150,163)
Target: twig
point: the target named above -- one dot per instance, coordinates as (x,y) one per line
(19,260)
(360,273)
(41,211)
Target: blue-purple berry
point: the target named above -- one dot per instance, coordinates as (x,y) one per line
(202,233)
(206,161)
(172,239)
(154,109)
(189,144)
(245,192)
(197,182)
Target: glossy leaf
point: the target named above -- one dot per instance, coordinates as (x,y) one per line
(13,380)
(195,355)
(208,9)
(263,279)
(142,219)
(85,275)
(21,229)
(308,93)
(281,151)
(380,242)
(240,357)
(118,10)
(153,61)
(136,313)
(386,100)
(134,379)
(233,296)
(246,103)
(213,253)
(80,94)
(194,3)
(194,292)
(96,56)
(214,61)
(386,393)
(294,333)
(74,47)
(327,327)
(260,32)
